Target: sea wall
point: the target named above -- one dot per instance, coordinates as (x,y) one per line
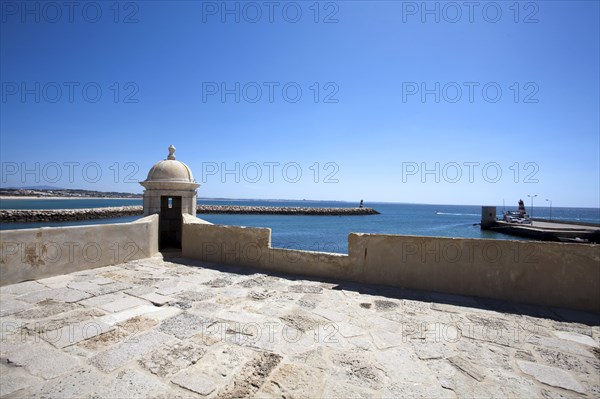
(30,254)
(61,215)
(539,273)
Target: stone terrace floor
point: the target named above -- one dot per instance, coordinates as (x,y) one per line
(180,328)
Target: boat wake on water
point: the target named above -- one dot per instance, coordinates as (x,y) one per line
(456,214)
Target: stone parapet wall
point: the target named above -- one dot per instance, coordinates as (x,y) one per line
(31,254)
(538,273)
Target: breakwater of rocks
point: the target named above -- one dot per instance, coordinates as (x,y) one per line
(63,215)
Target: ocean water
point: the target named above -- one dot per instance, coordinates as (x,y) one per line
(325,233)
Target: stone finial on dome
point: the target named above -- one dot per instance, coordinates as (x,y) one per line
(171,152)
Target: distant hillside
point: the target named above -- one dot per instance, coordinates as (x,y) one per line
(59,192)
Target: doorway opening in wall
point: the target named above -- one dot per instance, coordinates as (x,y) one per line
(170,223)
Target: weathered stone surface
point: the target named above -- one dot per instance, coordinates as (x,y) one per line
(551,376)
(157,299)
(115,318)
(134,347)
(172,359)
(467,367)
(36,296)
(12,306)
(43,361)
(305,288)
(251,377)
(260,295)
(169,290)
(357,369)
(14,379)
(295,381)
(74,333)
(575,337)
(194,296)
(298,342)
(103,341)
(330,315)
(430,350)
(341,390)
(83,286)
(562,345)
(348,330)
(137,324)
(133,384)
(109,288)
(100,300)
(302,321)
(220,282)
(566,361)
(185,325)
(382,306)
(195,383)
(22,288)
(57,281)
(102,281)
(123,304)
(385,339)
(77,384)
(409,390)
(46,308)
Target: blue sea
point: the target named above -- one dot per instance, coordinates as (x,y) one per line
(323,233)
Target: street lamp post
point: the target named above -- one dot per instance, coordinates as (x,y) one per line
(532,197)
(550,201)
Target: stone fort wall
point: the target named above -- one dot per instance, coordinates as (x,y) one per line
(31,254)
(531,272)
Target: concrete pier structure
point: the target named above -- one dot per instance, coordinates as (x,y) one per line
(541,230)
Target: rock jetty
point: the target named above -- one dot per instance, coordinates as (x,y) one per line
(63,215)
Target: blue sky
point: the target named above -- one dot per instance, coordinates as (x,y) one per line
(348,100)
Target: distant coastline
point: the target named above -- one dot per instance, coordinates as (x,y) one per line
(62,193)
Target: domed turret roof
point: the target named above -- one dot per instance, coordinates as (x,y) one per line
(170,170)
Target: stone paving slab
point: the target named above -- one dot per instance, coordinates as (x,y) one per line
(15,379)
(132,348)
(124,303)
(115,318)
(551,376)
(74,333)
(184,328)
(157,299)
(59,294)
(22,288)
(11,306)
(43,361)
